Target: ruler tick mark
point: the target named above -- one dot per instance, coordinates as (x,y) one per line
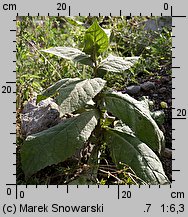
(179,16)
(118,192)
(69,11)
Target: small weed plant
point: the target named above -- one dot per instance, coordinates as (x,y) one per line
(100,116)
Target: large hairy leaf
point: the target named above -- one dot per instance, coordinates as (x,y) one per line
(127,148)
(53,89)
(58,85)
(95,40)
(117,64)
(70,53)
(73,93)
(57,143)
(76,95)
(137,117)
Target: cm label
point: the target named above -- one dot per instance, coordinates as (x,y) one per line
(9,7)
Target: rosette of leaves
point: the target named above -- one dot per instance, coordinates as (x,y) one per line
(132,135)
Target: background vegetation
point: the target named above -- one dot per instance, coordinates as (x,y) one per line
(37,71)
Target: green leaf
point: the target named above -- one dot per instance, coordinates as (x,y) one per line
(74,22)
(58,85)
(40,98)
(74,94)
(70,53)
(137,116)
(126,148)
(57,143)
(117,64)
(95,40)
(159,117)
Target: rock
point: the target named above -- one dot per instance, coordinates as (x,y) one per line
(167,153)
(165,79)
(39,117)
(155,95)
(148,86)
(156,24)
(162,90)
(133,90)
(169,101)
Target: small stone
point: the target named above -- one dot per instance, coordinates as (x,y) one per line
(165,79)
(155,95)
(169,101)
(167,153)
(134,89)
(162,90)
(148,86)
